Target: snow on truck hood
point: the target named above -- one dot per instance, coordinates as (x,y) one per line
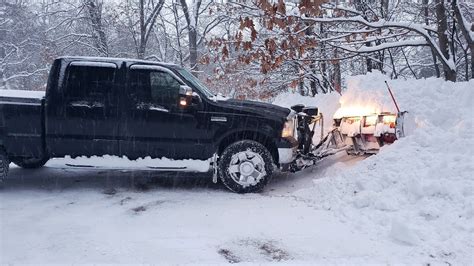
(22,94)
(257,107)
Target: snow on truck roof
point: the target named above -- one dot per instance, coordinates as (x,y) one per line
(117,60)
(22,94)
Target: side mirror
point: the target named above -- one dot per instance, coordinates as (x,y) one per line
(297,108)
(196,98)
(185,96)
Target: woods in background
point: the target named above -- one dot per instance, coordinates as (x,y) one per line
(249,49)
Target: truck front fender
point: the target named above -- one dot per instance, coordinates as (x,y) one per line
(246,134)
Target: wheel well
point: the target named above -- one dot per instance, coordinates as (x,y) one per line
(250,135)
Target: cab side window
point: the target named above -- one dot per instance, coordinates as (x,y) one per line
(164,88)
(156,87)
(89,83)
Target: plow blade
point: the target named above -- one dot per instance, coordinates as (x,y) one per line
(357,135)
(367,134)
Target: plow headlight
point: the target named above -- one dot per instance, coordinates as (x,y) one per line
(371,120)
(288,129)
(390,120)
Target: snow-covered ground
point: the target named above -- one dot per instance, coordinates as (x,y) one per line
(59,214)
(412,203)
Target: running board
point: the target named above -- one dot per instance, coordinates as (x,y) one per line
(80,165)
(167,168)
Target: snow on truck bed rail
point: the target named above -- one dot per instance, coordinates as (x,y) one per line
(22,94)
(418,192)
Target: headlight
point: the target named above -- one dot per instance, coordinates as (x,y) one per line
(288,129)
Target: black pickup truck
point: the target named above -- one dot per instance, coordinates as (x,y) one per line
(135,108)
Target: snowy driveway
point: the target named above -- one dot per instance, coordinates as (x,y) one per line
(62,214)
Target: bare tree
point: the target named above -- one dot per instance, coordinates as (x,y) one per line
(141,18)
(21,45)
(191,13)
(467,28)
(260,47)
(444,43)
(94,8)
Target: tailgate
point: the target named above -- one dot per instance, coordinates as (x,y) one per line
(21,126)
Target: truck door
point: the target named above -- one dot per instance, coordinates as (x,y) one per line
(83,120)
(153,123)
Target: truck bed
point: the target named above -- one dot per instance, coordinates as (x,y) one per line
(22,123)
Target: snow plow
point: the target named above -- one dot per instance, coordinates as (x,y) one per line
(355,134)
(367,134)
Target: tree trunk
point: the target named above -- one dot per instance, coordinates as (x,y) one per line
(3,54)
(368,60)
(178,37)
(394,74)
(426,12)
(323,65)
(380,57)
(466,32)
(441,17)
(313,86)
(3,84)
(142,44)
(301,87)
(193,52)
(95,17)
(312,83)
(472,61)
(337,73)
(191,16)
(337,65)
(141,50)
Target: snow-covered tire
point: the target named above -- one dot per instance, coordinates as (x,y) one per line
(30,163)
(245,166)
(4,165)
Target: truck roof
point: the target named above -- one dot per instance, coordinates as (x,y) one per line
(116,60)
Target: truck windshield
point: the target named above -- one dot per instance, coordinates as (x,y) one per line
(196,82)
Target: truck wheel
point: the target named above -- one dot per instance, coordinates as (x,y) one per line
(30,163)
(4,165)
(245,166)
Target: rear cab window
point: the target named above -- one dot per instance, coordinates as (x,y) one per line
(89,83)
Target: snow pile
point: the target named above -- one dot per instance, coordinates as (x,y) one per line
(418,192)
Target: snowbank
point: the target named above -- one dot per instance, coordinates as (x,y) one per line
(418,192)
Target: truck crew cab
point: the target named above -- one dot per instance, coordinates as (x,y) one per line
(135,108)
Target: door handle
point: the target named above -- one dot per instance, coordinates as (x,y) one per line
(89,105)
(159,109)
(151,107)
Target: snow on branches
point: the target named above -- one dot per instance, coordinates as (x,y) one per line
(310,42)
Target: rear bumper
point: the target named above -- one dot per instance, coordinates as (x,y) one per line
(287,150)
